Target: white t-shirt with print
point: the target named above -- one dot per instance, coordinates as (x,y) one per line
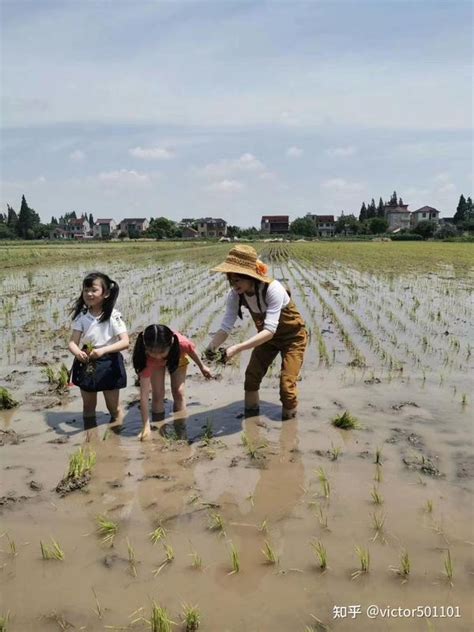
(99,334)
(277,298)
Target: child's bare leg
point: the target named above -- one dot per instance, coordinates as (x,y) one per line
(158,394)
(112,403)
(178,379)
(144,397)
(89,404)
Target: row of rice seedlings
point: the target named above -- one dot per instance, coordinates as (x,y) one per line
(108,529)
(52,551)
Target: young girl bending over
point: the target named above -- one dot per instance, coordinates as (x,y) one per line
(157,349)
(98,336)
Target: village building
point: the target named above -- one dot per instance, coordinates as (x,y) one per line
(210,227)
(104,228)
(398,217)
(275,224)
(423,214)
(325,224)
(134,227)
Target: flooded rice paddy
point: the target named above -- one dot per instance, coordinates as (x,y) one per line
(262,525)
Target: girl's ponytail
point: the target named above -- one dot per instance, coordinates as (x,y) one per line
(139,354)
(174,354)
(109,303)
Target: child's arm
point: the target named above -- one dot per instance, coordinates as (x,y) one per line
(120,345)
(74,346)
(203,368)
(145,384)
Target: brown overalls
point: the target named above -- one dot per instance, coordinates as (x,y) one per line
(290,339)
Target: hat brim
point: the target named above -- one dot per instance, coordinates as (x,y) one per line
(235,269)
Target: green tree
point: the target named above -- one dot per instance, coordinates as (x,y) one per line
(381,209)
(303,226)
(425,228)
(363,213)
(445,231)
(12,219)
(28,221)
(347,225)
(378,225)
(91,220)
(393,199)
(462,210)
(162,228)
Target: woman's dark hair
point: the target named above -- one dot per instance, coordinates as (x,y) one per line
(110,287)
(156,337)
(257,292)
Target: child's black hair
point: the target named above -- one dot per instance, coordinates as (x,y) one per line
(156,337)
(257,292)
(110,287)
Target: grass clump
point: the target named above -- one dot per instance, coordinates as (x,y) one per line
(270,556)
(323,479)
(52,551)
(6,400)
(107,529)
(81,462)
(405,566)
(346,421)
(191,618)
(364,559)
(158,534)
(159,620)
(216,522)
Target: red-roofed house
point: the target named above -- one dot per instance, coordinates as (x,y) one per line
(272,224)
(325,224)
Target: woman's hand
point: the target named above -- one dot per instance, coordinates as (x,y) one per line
(232,351)
(206,371)
(95,354)
(81,356)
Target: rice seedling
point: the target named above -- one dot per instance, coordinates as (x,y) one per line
(158,534)
(107,529)
(378,523)
(252,450)
(429,506)
(215,522)
(378,476)
(464,400)
(81,463)
(378,456)
(208,432)
(448,567)
(196,560)
(132,562)
(98,608)
(321,554)
(319,626)
(364,559)
(270,556)
(4,619)
(377,497)
(263,527)
(11,544)
(346,421)
(51,551)
(159,620)
(191,617)
(234,557)
(405,566)
(323,479)
(335,452)
(6,400)
(169,553)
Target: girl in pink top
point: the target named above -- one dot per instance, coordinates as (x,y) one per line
(157,349)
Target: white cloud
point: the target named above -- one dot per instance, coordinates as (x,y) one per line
(77,155)
(225,168)
(447,188)
(267,175)
(341,152)
(151,153)
(225,186)
(39,180)
(442,177)
(125,177)
(294,152)
(339,184)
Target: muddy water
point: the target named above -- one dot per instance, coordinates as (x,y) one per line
(177,479)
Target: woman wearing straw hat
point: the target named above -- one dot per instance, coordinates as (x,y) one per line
(280,327)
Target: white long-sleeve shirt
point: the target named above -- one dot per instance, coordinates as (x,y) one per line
(276,299)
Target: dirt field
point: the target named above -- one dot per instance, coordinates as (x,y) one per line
(391,341)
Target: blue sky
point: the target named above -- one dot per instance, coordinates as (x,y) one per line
(234,109)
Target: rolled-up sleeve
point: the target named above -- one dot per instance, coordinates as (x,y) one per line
(231,312)
(276,299)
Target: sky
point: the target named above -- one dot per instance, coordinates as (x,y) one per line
(234,109)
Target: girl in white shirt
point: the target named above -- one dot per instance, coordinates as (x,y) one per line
(281,329)
(98,336)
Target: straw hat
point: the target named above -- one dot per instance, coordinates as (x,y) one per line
(243,260)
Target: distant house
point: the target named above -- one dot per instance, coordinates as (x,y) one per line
(190,233)
(73,229)
(425,213)
(272,224)
(104,228)
(211,227)
(398,216)
(325,224)
(134,227)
